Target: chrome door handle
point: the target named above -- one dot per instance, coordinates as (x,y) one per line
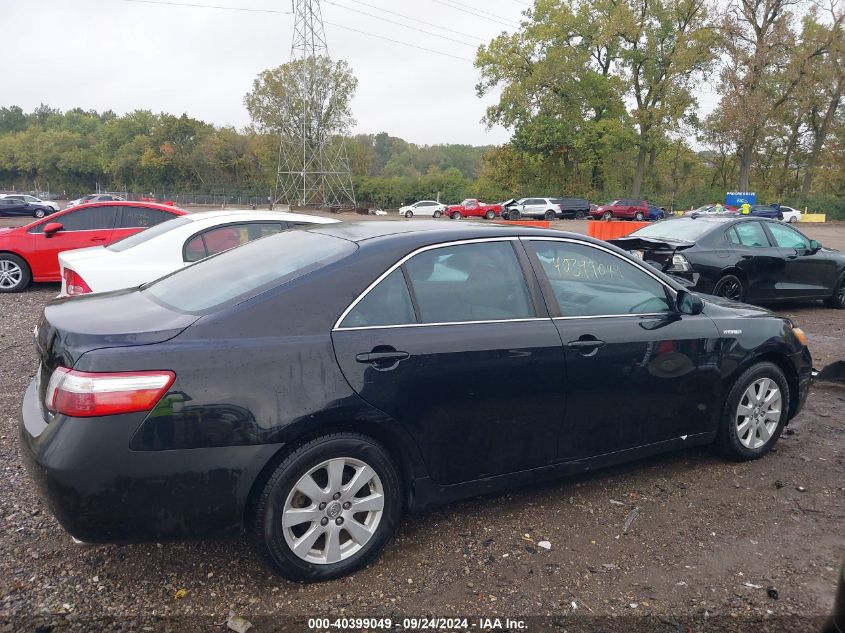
(382,357)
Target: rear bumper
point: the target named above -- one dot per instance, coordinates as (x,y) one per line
(101,491)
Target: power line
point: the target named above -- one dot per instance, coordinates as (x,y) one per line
(208,6)
(408,17)
(413,28)
(484,11)
(388,39)
(471,11)
(339,26)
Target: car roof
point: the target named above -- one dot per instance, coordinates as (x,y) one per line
(434,230)
(253,214)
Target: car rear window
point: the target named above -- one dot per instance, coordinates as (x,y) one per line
(246,271)
(687,230)
(148,234)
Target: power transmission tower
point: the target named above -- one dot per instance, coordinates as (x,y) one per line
(313,167)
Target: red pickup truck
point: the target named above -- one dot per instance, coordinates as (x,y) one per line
(473,208)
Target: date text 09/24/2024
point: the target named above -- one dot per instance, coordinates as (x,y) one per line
(417,624)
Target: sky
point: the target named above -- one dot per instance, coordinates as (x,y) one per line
(124,55)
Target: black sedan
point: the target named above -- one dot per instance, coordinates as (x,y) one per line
(310,386)
(18,207)
(742,259)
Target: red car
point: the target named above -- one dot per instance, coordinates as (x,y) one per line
(473,208)
(625,209)
(31,252)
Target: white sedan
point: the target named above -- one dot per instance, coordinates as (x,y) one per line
(790,215)
(427,208)
(169,246)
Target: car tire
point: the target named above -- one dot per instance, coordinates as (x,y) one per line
(579,215)
(456,215)
(750,427)
(607,215)
(409,214)
(40,213)
(730,287)
(638,216)
(274,525)
(793,219)
(837,300)
(549,215)
(437,214)
(514,214)
(15,274)
(660,216)
(490,215)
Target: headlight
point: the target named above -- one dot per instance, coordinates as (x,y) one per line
(680,264)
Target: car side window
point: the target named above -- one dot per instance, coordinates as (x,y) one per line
(786,237)
(141,217)
(223,238)
(469,282)
(90,219)
(587,281)
(389,303)
(749,234)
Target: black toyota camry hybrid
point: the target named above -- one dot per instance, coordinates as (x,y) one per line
(742,258)
(311,386)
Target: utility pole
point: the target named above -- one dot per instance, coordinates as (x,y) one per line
(313,168)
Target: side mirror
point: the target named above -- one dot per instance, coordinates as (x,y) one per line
(689,303)
(815,246)
(51,228)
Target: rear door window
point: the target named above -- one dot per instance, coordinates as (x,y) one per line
(223,238)
(141,217)
(389,303)
(469,282)
(749,234)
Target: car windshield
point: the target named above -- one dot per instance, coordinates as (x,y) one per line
(148,234)
(246,271)
(680,229)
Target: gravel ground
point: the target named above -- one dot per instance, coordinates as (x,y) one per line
(707,541)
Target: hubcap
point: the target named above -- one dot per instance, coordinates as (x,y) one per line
(758,413)
(10,274)
(333,511)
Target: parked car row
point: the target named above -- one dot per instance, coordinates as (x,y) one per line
(512,209)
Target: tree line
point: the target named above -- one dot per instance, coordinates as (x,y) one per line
(600,96)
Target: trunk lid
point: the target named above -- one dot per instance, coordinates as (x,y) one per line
(70,327)
(658,251)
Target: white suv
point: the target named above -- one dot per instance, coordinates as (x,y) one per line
(532,208)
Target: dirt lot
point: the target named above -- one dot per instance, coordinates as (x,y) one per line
(708,540)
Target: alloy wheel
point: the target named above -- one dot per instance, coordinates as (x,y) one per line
(758,413)
(729,289)
(10,274)
(333,510)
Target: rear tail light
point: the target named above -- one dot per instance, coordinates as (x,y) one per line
(680,264)
(86,394)
(74,284)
